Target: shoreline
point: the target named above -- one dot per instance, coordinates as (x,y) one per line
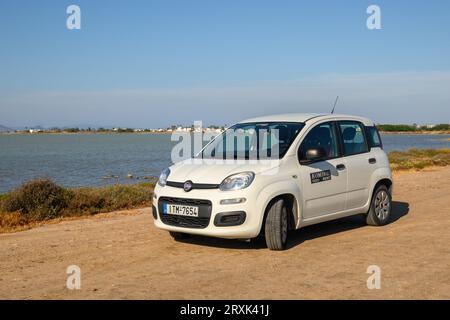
(141,208)
(422,132)
(76,133)
(431,133)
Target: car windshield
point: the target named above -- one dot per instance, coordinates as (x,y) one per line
(253,141)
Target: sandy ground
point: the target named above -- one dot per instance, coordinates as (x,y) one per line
(122,256)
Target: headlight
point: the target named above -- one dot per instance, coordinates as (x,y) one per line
(163,177)
(237,181)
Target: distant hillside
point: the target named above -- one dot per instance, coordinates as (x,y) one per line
(5,129)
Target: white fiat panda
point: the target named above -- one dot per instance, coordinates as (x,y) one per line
(328,167)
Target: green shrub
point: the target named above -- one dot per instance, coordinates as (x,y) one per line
(84,201)
(40,199)
(396,127)
(72,130)
(94,200)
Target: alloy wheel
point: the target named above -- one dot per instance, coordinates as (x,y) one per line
(382,205)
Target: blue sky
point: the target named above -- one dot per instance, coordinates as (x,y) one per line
(154,63)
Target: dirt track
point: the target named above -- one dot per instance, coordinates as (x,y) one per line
(124,256)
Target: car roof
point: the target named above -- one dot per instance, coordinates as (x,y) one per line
(304,117)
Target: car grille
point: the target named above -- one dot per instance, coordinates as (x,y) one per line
(194,185)
(186,222)
(200,222)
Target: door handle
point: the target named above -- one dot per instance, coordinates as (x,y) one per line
(372,160)
(340,167)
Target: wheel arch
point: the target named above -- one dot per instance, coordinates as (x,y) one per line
(292,205)
(384,181)
(387,181)
(381,176)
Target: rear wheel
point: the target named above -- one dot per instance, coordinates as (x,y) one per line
(178,236)
(276,227)
(380,208)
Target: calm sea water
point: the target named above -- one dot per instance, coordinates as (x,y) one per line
(84,160)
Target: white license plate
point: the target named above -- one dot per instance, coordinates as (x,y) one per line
(180,210)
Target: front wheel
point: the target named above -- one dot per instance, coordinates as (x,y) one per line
(380,208)
(276,227)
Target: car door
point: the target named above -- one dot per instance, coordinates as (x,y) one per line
(324,182)
(359,162)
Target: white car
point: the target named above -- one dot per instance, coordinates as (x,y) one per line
(328,167)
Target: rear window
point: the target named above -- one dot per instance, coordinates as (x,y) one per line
(353,137)
(373,137)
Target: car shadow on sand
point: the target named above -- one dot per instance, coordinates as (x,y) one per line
(296,237)
(399,210)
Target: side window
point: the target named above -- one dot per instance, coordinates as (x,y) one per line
(322,135)
(373,137)
(353,138)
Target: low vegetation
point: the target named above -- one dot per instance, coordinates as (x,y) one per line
(396,127)
(419,158)
(42,200)
(414,128)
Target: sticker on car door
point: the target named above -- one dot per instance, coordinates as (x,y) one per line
(320,176)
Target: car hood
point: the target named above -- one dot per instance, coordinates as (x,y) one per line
(213,173)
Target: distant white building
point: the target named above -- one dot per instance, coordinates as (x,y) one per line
(215,130)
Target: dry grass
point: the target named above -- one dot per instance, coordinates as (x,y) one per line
(87,201)
(12,221)
(417,159)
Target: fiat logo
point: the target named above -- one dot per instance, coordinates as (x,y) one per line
(187,186)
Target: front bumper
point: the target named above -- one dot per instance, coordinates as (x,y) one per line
(233,221)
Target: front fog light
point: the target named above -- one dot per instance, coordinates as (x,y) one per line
(233,201)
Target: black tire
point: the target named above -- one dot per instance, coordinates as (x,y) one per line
(179,236)
(380,207)
(276,226)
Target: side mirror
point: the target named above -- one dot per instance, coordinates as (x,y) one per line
(313,154)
